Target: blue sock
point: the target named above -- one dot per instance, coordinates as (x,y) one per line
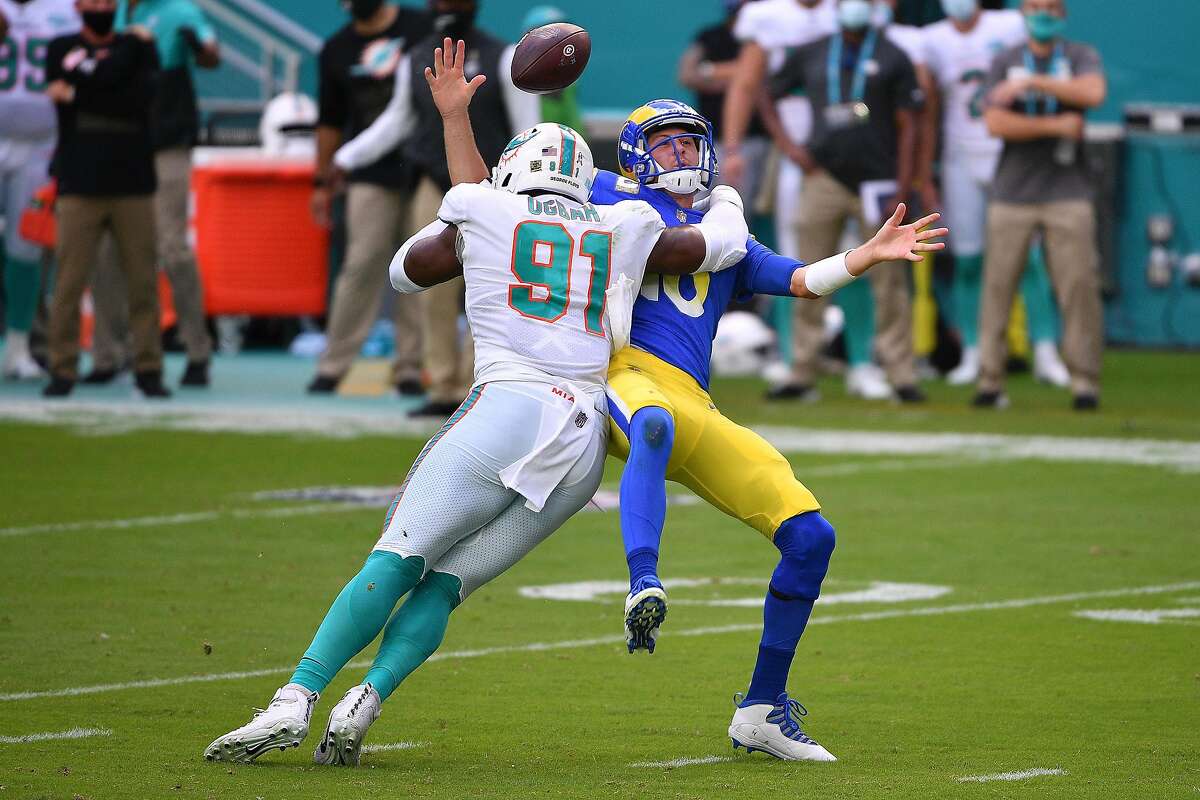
(644,490)
(806,542)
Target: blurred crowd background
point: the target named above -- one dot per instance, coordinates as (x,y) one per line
(214,175)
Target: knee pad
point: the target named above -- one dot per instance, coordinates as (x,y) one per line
(806,543)
(652,426)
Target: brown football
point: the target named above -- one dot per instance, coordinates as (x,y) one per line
(551,57)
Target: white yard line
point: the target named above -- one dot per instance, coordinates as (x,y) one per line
(1012,776)
(381,748)
(103,418)
(74,733)
(680,762)
(572,644)
(179,519)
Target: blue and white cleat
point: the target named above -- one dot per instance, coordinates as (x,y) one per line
(645,610)
(775,730)
(342,742)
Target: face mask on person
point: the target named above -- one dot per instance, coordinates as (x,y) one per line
(854,15)
(1044,26)
(454,24)
(882,15)
(961,10)
(363,10)
(99,22)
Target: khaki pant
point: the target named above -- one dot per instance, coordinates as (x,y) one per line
(825,207)
(449,367)
(81,223)
(175,258)
(377,223)
(1069,241)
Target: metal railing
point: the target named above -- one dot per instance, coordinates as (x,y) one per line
(270,64)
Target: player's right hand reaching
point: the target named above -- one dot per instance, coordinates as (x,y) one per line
(452,92)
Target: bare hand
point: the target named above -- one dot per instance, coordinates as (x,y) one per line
(1072,125)
(894,241)
(802,157)
(319,205)
(61,92)
(452,92)
(1007,92)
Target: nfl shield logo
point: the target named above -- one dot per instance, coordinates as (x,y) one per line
(580,420)
(681,215)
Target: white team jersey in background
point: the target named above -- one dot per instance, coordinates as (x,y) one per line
(910,39)
(25,111)
(777,26)
(537,269)
(959,63)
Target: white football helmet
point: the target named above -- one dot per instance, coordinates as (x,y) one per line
(287,126)
(547,157)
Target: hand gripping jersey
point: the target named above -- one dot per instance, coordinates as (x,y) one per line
(25,111)
(959,63)
(537,269)
(675,316)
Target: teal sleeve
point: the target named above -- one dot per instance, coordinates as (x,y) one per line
(194,18)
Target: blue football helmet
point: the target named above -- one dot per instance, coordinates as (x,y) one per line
(633,150)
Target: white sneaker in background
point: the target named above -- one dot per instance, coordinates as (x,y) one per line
(18,364)
(867,381)
(1048,366)
(967,370)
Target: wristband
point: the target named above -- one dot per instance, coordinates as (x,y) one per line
(827,275)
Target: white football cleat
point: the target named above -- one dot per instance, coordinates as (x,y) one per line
(282,724)
(867,381)
(348,723)
(1048,366)
(645,610)
(18,364)
(967,370)
(775,730)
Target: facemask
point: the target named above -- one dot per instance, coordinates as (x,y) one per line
(854,15)
(363,10)
(883,15)
(99,22)
(1043,26)
(961,10)
(454,24)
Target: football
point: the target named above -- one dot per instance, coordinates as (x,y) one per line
(551,58)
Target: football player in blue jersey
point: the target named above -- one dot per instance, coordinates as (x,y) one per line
(665,425)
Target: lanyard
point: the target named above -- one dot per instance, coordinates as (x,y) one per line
(833,68)
(1053,68)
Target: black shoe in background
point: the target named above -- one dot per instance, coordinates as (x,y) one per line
(990,400)
(323,384)
(150,385)
(434,408)
(100,377)
(910,394)
(196,375)
(1086,402)
(409,387)
(793,391)
(58,387)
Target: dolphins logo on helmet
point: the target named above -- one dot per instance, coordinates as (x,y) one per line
(633,150)
(548,158)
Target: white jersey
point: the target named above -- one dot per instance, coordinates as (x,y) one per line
(910,39)
(25,111)
(537,269)
(777,26)
(959,63)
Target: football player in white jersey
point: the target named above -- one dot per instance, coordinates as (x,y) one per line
(27,134)
(959,51)
(551,281)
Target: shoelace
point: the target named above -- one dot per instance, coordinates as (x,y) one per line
(788,716)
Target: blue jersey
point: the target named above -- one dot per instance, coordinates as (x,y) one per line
(675,316)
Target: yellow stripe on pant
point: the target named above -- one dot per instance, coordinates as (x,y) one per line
(731,467)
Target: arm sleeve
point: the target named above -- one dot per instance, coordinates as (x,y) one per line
(1086,61)
(396,272)
(745,27)
(331,103)
(387,131)
(524,109)
(766,272)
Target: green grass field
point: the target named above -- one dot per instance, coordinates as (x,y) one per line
(165,629)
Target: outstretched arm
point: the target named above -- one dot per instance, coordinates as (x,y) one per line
(452,94)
